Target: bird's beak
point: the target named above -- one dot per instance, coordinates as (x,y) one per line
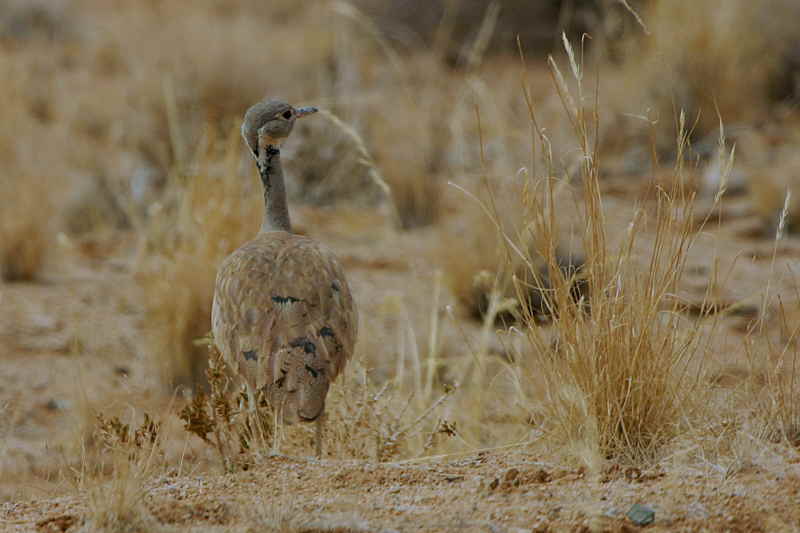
(307,110)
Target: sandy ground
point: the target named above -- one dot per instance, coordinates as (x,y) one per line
(71,340)
(492,491)
(73,344)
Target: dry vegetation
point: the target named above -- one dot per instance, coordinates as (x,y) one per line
(575,273)
(209,210)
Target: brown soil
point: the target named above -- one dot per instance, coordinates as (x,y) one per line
(54,339)
(487,491)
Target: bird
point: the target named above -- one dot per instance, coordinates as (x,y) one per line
(283,316)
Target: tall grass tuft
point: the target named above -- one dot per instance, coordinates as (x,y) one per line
(214,208)
(625,368)
(25,226)
(118,502)
(776,397)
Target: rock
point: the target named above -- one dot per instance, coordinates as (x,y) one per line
(641,515)
(56,405)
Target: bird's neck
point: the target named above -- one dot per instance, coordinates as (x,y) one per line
(276,210)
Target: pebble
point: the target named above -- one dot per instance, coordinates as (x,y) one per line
(641,515)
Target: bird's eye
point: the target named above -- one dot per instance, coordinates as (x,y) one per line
(287,114)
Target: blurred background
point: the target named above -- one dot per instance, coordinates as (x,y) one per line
(123,180)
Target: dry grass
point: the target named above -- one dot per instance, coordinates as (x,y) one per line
(116,501)
(362,421)
(773,168)
(222,419)
(716,63)
(776,406)
(215,210)
(521,280)
(28,190)
(414,170)
(774,393)
(449,27)
(94,210)
(625,370)
(25,227)
(618,372)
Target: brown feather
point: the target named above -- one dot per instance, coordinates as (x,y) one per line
(283,310)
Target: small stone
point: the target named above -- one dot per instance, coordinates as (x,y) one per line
(54,404)
(641,515)
(494,484)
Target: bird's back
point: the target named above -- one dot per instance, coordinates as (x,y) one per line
(284,318)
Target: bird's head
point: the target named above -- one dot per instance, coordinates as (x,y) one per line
(269,122)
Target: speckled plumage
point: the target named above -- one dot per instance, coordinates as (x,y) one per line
(283,315)
(282,306)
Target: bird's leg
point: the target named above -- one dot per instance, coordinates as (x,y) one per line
(318,434)
(251,401)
